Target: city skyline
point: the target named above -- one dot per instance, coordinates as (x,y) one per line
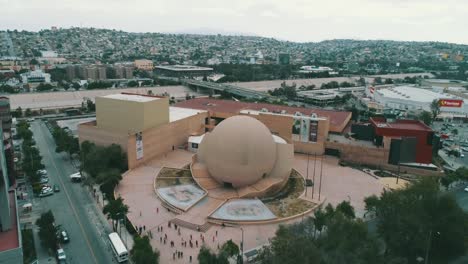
(298,20)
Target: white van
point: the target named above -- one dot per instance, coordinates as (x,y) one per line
(76,177)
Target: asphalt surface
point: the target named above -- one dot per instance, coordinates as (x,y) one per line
(73,207)
(461,136)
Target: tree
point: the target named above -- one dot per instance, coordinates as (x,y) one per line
(346,209)
(205,256)
(115,210)
(230,249)
(435,108)
(18,112)
(142,251)
(47,230)
(420,219)
(108,180)
(132,84)
(28,112)
(426,117)
(289,246)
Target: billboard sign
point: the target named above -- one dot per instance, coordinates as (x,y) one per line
(313,130)
(139,145)
(450,103)
(305,130)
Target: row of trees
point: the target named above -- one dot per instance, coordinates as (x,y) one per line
(65,141)
(31,160)
(48,231)
(104,165)
(412,225)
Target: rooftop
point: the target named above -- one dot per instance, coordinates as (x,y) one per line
(183,68)
(131,97)
(382,123)
(10,239)
(413,94)
(178,113)
(337,118)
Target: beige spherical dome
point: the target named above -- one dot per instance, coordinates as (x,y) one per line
(239,151)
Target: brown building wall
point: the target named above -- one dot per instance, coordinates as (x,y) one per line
(360,154)
(160,140)
(89,132)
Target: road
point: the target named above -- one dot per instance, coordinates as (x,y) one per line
(73,207)
(9,43)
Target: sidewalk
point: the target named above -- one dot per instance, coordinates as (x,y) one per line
(451,162)
(96,195)
(126,237)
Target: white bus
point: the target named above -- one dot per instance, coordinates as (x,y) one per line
(120,251)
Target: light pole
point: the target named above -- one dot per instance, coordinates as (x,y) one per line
(428,247)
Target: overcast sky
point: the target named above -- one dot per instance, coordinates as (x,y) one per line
(295,20)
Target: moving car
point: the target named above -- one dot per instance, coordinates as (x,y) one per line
(56,188)
(76,177)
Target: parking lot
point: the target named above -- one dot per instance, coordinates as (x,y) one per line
(454,141)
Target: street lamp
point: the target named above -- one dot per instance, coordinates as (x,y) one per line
(120,225)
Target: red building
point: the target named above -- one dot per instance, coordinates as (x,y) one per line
(411,140)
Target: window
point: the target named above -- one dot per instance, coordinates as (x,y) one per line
(195,145)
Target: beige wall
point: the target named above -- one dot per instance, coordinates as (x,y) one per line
(317,147)
(131,116)
(160,140)
(89,132)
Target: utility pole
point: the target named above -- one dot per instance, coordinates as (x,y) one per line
(313,180)
(308,154)
(321,168)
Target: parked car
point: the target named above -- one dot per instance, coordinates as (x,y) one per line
(42,172)
(61,254)
(466,189)
(44,180)
(56,188)
(46,192)
(63,236)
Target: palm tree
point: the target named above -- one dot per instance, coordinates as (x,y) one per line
(435,108)
(114,210)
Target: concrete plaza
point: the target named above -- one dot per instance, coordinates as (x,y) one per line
(146,210)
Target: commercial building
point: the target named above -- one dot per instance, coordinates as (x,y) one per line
(124,118)
(145,65)
(444,83)
(36,76)
(183,70)
(283,58)
(123,71)
(146,127)
(417,99)
(10,236)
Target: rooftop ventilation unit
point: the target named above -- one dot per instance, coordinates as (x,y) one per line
(298,114)
(264,110)
(283,112)
(313,115)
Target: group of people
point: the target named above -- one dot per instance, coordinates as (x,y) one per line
(192,242)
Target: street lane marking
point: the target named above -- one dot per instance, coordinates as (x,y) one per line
(69,201)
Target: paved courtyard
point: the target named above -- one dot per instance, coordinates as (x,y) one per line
(338,184)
